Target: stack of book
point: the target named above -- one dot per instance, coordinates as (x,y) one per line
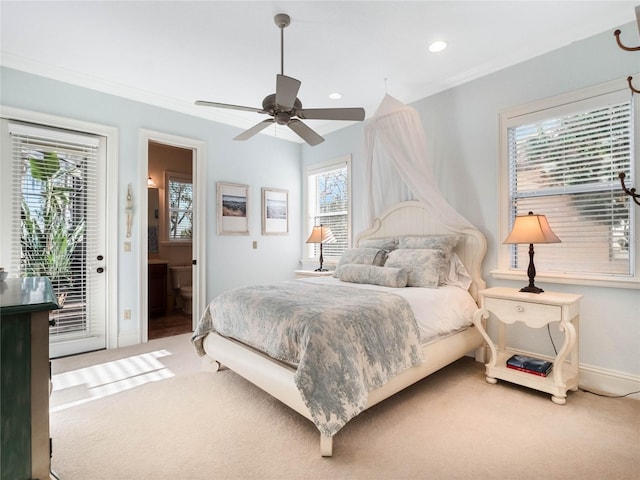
(530,365)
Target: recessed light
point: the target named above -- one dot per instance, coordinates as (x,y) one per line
(437,46)
(335,96)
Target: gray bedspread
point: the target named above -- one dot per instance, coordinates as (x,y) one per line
(344,341)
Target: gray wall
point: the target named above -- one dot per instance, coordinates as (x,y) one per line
(462,129)
(461,126)
(262,162)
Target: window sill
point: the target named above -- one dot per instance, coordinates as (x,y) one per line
(595,280)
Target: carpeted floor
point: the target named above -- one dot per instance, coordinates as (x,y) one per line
(149,412)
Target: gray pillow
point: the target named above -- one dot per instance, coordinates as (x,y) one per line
(364,256)
(388,243)
(372,274)
(435,242)
(425,267)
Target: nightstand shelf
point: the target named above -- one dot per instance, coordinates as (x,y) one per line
(509,306)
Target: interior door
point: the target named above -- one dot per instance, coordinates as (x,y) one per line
(57,216)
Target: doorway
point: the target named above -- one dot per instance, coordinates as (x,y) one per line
(60,220)
(171,280)
(169,240)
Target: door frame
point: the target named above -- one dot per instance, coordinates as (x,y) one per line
(198,250)
(111,221)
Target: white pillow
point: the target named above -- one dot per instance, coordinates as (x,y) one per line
(372,274)
(425,267)
(458,275)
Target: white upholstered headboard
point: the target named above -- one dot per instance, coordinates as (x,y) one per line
(414,218)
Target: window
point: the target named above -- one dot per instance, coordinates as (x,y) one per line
(562,158)
(179,188)
(329,203)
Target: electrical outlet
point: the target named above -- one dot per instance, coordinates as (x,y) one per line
(127,314)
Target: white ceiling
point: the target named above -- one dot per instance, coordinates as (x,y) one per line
(171,53)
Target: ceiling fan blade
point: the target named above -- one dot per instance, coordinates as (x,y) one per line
(247,134)
(308,135)
(331,114)
(286,91)
(204,103)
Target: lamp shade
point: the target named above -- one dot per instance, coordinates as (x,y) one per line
(321,234)
(531,229)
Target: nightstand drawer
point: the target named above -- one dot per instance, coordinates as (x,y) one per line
(533,314)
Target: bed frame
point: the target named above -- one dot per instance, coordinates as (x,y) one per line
(275,378)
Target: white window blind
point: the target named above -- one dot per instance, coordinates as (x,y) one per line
(329,204)
(54,181)
(180,207)
(564,163)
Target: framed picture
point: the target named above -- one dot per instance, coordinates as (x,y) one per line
(275,211)
(233,209)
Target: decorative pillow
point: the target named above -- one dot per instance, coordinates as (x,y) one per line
(372,274)
(364,256)
(388,243)
(425,267)
(436,242)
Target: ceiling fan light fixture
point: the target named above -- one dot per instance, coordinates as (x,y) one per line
(284,105)
(437,46)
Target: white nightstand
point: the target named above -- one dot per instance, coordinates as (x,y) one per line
(508,306)
(312,273)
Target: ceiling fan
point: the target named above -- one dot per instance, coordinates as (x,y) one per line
(284,106)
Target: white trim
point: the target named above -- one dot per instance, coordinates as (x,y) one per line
(594,280)
(600,380)
(111,254)
(609,382)
(316,169)
(507,117)
(198,244)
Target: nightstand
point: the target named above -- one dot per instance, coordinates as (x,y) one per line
(508,306)
(312,273)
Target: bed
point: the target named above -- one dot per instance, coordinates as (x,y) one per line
(417,356)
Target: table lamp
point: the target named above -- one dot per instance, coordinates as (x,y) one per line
(321,234)
(531,229)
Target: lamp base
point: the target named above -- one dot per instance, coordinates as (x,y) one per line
(531,289)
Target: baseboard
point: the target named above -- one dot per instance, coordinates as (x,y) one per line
(128,338)
(609,382)
(600,380)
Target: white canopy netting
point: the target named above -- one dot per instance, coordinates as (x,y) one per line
(397,167)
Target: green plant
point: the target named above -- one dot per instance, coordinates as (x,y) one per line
(49,235)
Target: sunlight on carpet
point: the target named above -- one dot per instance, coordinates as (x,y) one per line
(84,385)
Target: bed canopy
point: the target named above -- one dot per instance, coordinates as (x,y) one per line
(397,167)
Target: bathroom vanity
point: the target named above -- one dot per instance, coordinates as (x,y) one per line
(157,288)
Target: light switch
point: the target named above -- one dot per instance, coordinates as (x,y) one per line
(255,244)
(127,246)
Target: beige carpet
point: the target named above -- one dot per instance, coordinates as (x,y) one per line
(148,412)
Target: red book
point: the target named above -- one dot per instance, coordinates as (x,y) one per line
(521,369)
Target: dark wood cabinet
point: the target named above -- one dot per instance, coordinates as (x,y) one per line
(157,289)
(24,377)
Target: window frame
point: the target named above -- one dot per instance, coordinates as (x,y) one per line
(504,270)
(309,213)
(185,178)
